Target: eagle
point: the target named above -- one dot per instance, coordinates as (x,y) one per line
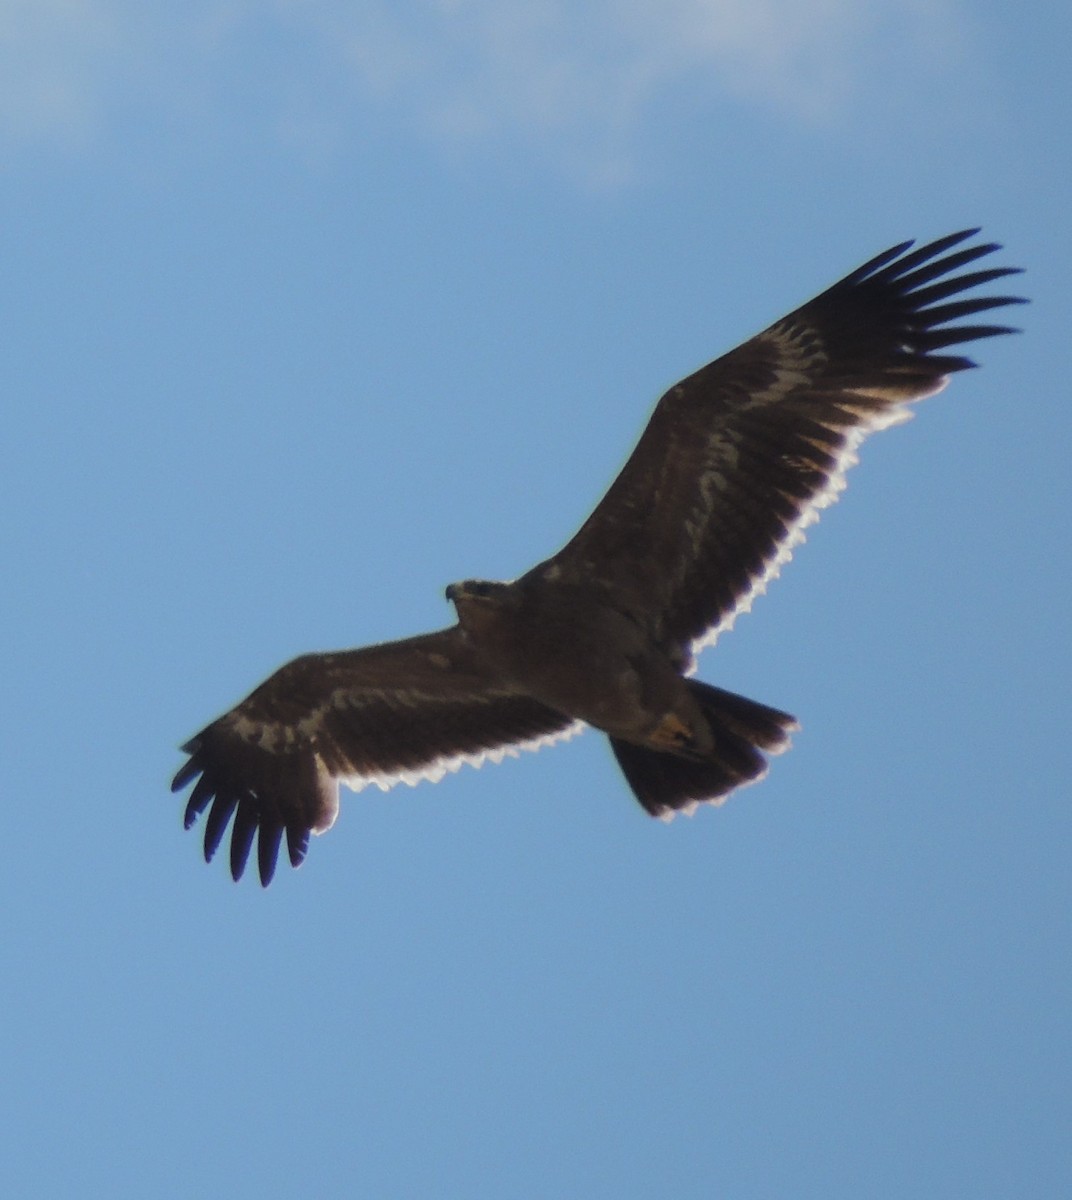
(736,461)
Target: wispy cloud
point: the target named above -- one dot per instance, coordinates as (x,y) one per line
(54,58)
(573,77)
(582,76)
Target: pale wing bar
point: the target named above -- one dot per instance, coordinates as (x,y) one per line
(854,357)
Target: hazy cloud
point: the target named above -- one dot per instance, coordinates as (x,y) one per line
(573,76)
(54,58)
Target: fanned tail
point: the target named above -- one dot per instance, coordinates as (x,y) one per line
(744,732)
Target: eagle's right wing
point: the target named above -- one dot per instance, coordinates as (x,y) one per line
(394,713)
(740,457)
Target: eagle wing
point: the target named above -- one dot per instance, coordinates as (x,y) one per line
(394,713)
(739,458)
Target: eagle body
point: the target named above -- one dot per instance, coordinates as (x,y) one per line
(579,655)
(737,460)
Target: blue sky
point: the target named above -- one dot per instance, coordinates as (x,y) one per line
(312,308)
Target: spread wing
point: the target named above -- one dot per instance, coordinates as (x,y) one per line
(739,458)
(398,712)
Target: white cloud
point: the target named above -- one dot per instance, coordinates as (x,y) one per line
(580,78)
(53,57)
(577,78)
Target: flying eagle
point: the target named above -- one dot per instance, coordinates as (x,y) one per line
(736,461)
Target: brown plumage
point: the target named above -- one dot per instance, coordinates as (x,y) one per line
(737,460)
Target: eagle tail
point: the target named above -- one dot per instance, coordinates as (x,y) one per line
(744,732)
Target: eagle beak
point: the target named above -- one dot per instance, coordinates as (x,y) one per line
(452,591)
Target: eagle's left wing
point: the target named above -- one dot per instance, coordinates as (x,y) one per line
(740,457)
(394,713)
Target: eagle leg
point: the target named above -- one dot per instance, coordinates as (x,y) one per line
(672,734)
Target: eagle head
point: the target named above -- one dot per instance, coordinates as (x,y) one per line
(481,604)
(477,591)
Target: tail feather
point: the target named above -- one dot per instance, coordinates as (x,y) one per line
(744,731)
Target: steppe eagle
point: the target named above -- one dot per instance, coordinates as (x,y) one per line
(735,462)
